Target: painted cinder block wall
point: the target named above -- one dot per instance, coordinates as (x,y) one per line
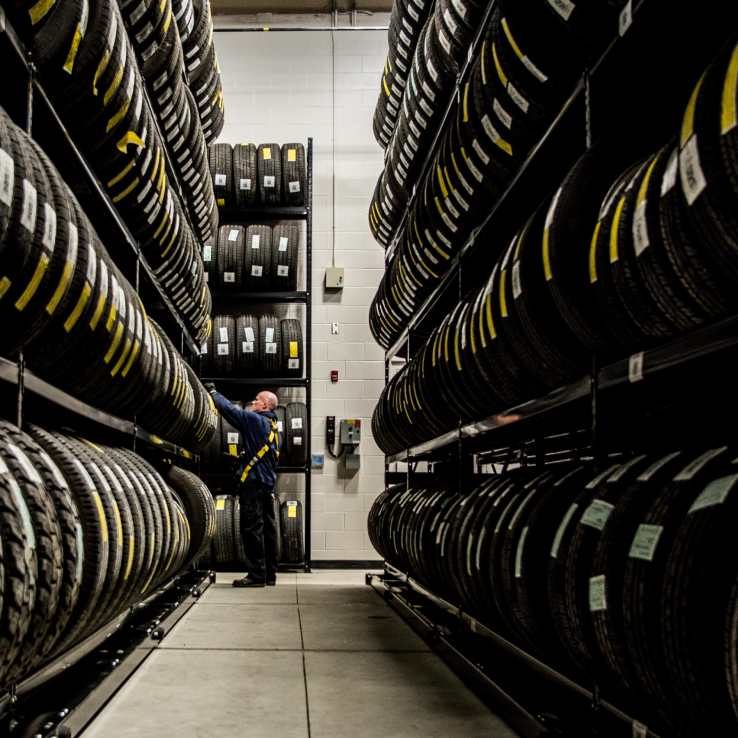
(279,87)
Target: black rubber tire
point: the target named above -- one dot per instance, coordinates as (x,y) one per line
(292,549)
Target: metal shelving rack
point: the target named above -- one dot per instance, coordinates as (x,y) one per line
(30,107)
(245,216)
(680,389)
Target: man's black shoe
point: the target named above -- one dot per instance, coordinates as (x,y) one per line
(247,582)
(271,583)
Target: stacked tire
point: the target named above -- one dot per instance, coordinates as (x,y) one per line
(636,249)
(87,532)
(528,64)
(406,22)
(267,174)
(255,258)
(155,36)
(227,547)
(89,66)
(77,319)
(247,346)
(195,25)
(623,580)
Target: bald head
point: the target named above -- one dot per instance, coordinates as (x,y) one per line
(264,401)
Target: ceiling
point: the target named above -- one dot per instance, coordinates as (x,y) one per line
(303,7)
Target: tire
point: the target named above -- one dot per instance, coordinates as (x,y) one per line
(296,434)
(231,244)
(224,346)
(223,540)
(285,250)
(292,351)
(239,551)
(269,168)
(294,174)
(221,171)
(248,357)
(269,345)
(291,532)
(244,175)
(257,272)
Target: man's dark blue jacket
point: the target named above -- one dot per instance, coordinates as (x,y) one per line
(255,430)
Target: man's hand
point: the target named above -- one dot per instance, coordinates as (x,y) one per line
(210,387)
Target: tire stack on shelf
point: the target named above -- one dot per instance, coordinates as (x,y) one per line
(267,174)
(247,346)
(227,546)
(255,258)
(527,66)
(406,22)
(155,37)
(77,319)
(86,60)
(86,532)
(610,264)
(195,24)
(624,580)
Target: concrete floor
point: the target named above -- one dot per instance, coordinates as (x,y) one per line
(318,656)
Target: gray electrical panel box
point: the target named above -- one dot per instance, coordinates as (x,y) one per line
(353,461)
(350,432)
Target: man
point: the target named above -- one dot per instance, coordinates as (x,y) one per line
(256,479)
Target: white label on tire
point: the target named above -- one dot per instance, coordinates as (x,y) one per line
(256,271)
(224,335)
(297,441)
(283,271)
(596,515)
(233,438)
(640,229)
(444,41)
(294,186)
(635,367)
(233,235)
(49,238)
(220,179)
(269,337)
(517,98)
(255,241)
(229,276)
(204,348)
(283,241)
(269,181)
(533,69)
(247,347)
(597,600)
(690,171)
(279,426)
(670,175)
(271,348)
(245,184)
(645,542)
(249,334)
(626,18)
(504,117)
(207,277)
(563,7)
(480,152)
(431,69)
(222,349)
(207,253)
(296,423)
(7,176)
(429,93)
(28,210)
(459,7)
(450,22)
(715,493)
(405,38)
(516,288)
(413,13)
(293,364)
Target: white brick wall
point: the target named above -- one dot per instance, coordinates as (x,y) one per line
(278,87)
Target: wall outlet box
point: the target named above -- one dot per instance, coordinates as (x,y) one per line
(334,278)
(317,461)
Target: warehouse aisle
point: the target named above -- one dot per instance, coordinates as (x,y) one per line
(318,656)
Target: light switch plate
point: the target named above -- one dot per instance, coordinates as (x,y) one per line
(334,278)
(334,329)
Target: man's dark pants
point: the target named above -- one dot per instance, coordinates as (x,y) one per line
(258,530)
